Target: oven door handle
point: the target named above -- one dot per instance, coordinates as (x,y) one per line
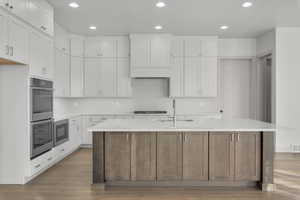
(42,122)
(40,88)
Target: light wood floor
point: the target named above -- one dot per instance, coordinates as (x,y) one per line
(70,180)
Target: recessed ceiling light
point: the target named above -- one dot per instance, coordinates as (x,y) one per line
(247,4)
(93,27)
(224,27)
(160,4)
(74,5)
(158,27)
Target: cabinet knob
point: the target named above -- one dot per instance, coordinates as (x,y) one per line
(11,7)
(7,4)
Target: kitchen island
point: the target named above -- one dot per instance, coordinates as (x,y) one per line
(198,152)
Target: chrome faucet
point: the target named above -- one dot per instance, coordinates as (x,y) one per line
(174,112)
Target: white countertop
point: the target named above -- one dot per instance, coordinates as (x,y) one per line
(198,125)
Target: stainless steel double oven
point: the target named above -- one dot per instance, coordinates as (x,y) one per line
(41,106)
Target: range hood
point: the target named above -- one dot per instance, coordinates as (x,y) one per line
(150,55)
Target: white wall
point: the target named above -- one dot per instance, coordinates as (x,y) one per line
(265,43)
(287,87)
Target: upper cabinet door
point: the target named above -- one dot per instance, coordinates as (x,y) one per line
(248,157)
(140,52)
(77,72)
(195,156)
(192,77)
(221,156)
(41,55)
(123,47)
(177,78)
(209,77)
(62,41)
(100,47)
(193,47)
(210,47)
(4,48)
(18,41)
(62,74)
(18,7)
(100,77)
(41,15)
(77,46)
(123,78)
(177,49)
(160,51)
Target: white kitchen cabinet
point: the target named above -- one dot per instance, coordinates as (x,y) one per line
(237,48)
(123,78)
(41,15)
(200,77)
(62,41)
(100,77)
(89,121)
(77,71)
(100,47)
(177,47)
(62,74)
(75,130)
(123,47)
(4,48)
(17,7)
(76,46)
(41,55)
(18,41)
(150,55)
(193,47)
(177,77)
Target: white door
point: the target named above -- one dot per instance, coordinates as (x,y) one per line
(62,74)
(123,78)
(4,49)
(77,71)
(41,55)
(18,40)
(235,83)
(209,77)
(160,52)
(61,39)
(18,7)
(177,77)
(193,47)
(140,52)
(192,77)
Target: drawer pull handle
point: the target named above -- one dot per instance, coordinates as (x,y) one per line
(7,50)
(62,150)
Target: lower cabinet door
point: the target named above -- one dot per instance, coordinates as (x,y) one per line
(195,156)
(221,156)
(143,157)
(117,156)
(169,156)
(247,157)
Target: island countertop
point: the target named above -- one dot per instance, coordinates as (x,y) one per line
(194,125)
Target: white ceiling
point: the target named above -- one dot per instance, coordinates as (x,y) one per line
(189,17)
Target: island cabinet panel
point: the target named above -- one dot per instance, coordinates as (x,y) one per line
(221,157)
(169,156)
(247,156)
(117,156)
(195,156)
(143,157)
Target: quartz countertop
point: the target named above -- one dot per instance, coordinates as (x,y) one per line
(193,125)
